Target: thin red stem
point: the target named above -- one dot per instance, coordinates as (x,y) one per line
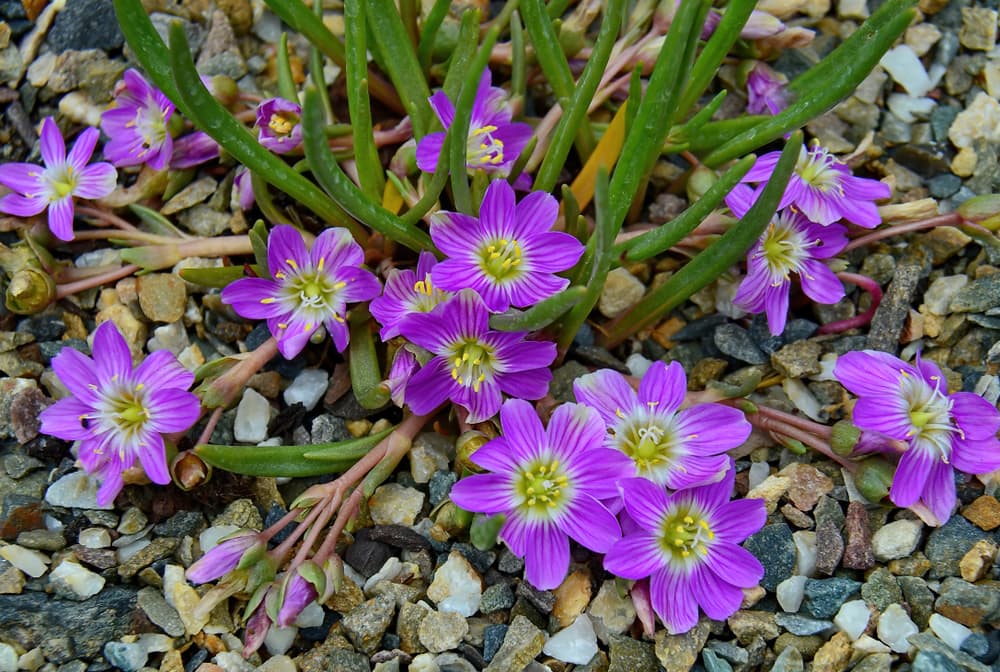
(950,219)
(70,288)
(105,216)
(873,289)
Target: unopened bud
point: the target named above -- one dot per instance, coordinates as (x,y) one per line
(467,444)
(452,519)
(700,181)
(844,437)
(404,161)
(873,478)
(30,291)
(225,89)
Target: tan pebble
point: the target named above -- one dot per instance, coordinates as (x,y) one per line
(572,597)
(834,655)
(974,564)
(984,513)
(964,162)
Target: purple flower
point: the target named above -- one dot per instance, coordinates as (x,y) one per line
(766,90)
(119,414)
(309,288)
(63,177)
(407,292)
(510,254)
(671,447)
(296,595)
(687,543)
(278,125)
(137,125)
(472,364)
(943,431)
(404,365)
(226,556)
(823,189)
(193,150)
(494,142)
(791,244)
(548,483)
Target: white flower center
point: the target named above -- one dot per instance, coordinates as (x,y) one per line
(483,148)
(930,414)
(61,180)
(121,409)
(309,292)
(784,247)
(815,168)
(472,361)
(685,536)
(542,488)
(501,259)
(650,440)
(427,296)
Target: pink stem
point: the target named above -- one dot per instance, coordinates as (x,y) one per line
(105,216)
(950,219)
(870,286)
(70,288)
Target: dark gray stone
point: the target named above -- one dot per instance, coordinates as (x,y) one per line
(86,24)
(181,524)
(800,625)
(775,549)
(714,663)
(978,296)
(927,661)
(497,597)
(895,307)
(969,604)
(823,597)
(947,544)
(493,637)
(631,655)
(74,629)
(943,186)
(439,486)
(881,589)
(736,342)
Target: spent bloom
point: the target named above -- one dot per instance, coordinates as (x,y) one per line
(193,150)
(472,364)
(549,484)
(494,141)
(791,244)
(687,543)
(137,125)
(296,594)
(509,255)
(118,413)
(278,125)
(823,189)
(944,431)
(407,292)
(669,446)
(63,177)
(235,552)
(310,287)
(766,91)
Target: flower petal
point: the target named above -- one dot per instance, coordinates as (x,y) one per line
(673,600)
(335,247)
(286,251)
(429,151)
(254,298)
(61,218)
(63,419)
(635,556)
(739,519)
(154,459)
(83,149)
(646,502)
(23,178)
(443,108)
(112,357)
(484,493)
(664,387)
(719,598)
(162,370)
(53,146)
(496,215)
(819,283)
(173,410)
(591,524)
(776,307)
(910,482)
(939,495)
(96,181)
(430,386)
(546,559)
(522,427)
(531,384)
(734,564)
(709,429)
(871,372)
(608,392)
(77,372)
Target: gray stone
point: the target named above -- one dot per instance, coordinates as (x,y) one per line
(943,186)
(497,597)
(798,359)
(926,661)
(789,660)
(42,540)
(159,548)
(70,629)
(823,597)
(677,652)
(367,622)
(713,663)
(86,24)
(918,597)
(631,655)
(181,524)
(800,625)
(895,307)
(926,643)
(521,643)
(775,549)
(881,589)
(947,544)
(736,342)
(966,603)
(159,612)
(978,296)
(493,637)
(442,631)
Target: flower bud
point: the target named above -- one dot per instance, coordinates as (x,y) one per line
(237,551)
(874,478)
(30,291)
(467,444)
(845,436)
(700,181)
(984,210)
(452,519)
(189,471)
(404,161)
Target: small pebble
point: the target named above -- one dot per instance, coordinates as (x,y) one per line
(307,388)
(456,586)
(852,618)
(948,631)
(895,627)
(72,580)
(576,644)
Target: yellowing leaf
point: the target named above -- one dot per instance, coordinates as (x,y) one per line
(604,156)
(391,198)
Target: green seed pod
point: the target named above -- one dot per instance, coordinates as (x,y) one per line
(874,478)
(30,291)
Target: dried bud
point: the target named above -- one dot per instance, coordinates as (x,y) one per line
(189,471)
(984,210)
(30,291)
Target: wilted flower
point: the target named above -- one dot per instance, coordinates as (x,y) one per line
(193,150)
(791,244)
(509,255)
(407,292)
(688,544)
(669,446)
(766,90)
(823,189)
(63,177)
(404,365)
(472,364)
(944,431)
(137,125)
(309,288)
(494,141)
(549,484)
(243,188)
(278,125)
(226,556)
(119,414)
(297,593)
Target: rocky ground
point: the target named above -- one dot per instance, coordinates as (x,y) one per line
(847,584)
